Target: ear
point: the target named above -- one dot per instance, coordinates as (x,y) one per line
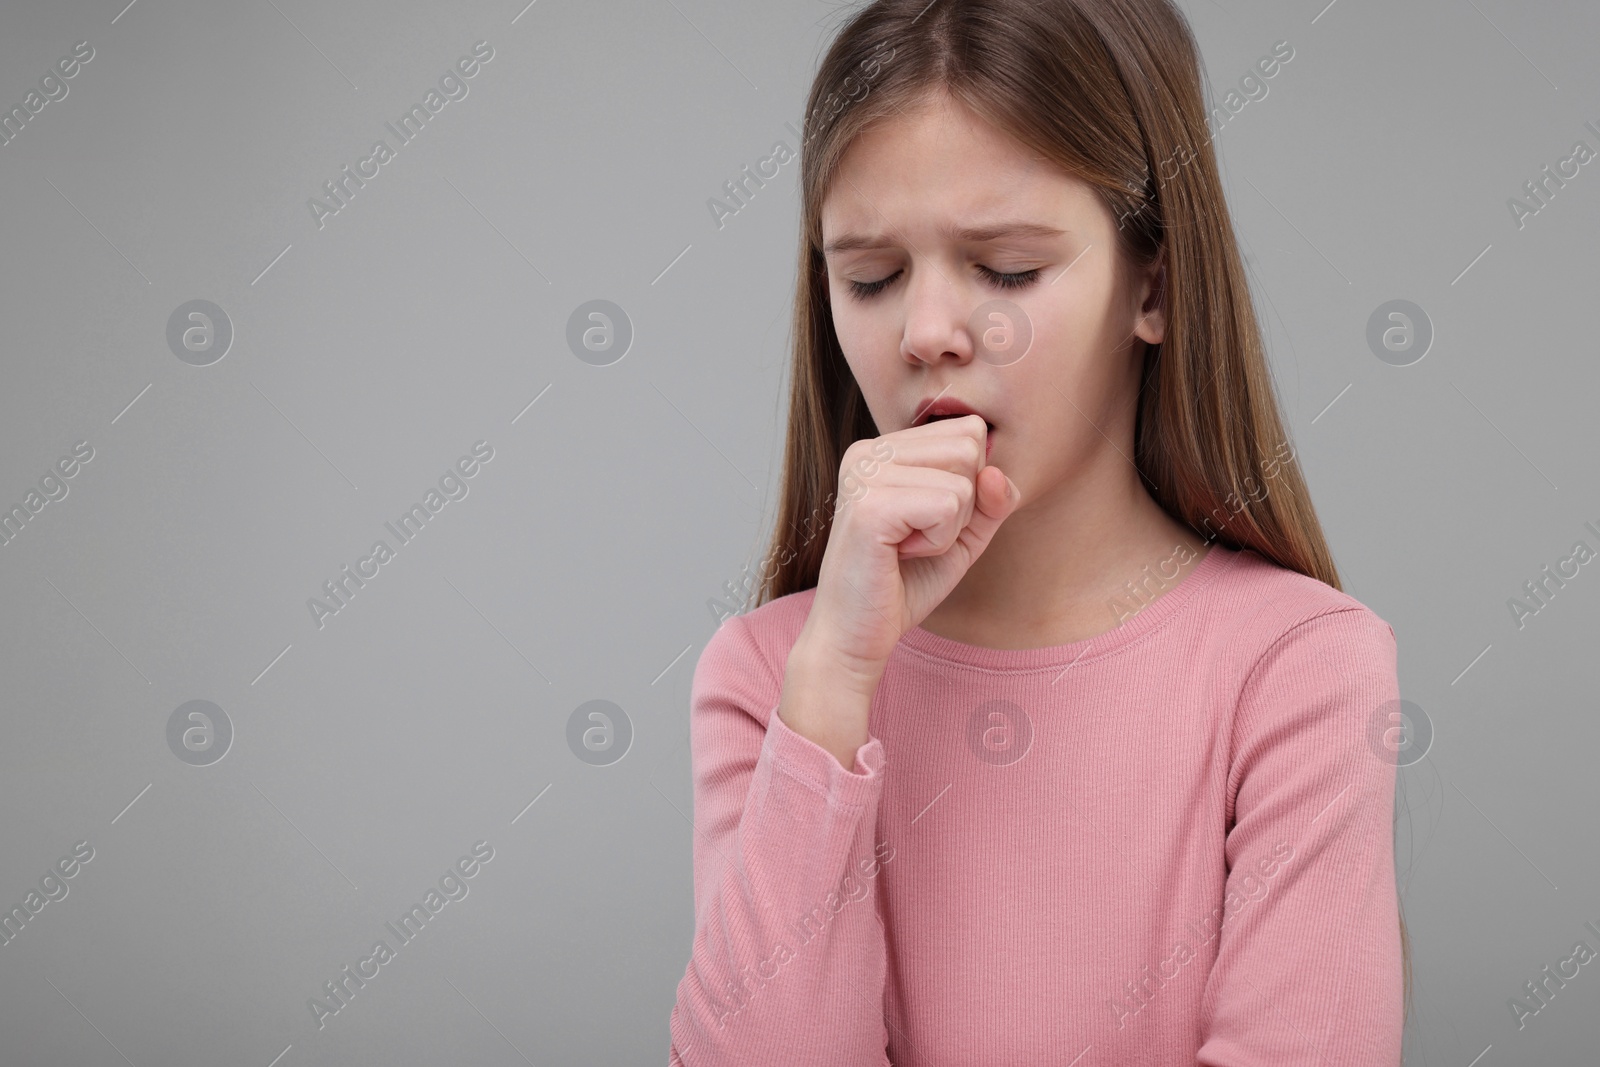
(1152,322)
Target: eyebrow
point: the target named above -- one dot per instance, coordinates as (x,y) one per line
(852,242)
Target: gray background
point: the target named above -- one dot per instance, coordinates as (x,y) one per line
(430,312)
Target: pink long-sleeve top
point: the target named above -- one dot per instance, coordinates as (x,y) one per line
(1168,844)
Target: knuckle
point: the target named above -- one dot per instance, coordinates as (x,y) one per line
(852,453)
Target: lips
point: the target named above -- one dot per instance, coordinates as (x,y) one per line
(931,410)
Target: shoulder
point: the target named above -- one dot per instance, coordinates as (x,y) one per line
(1313,667)
(746,656)
(768,631)
(1273,608)
(1296,654)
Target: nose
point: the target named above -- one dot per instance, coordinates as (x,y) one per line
(937,308)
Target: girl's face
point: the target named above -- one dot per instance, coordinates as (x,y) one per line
(935,214)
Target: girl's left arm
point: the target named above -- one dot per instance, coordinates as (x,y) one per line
(1308,966)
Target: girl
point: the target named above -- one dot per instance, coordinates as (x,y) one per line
(1051,739)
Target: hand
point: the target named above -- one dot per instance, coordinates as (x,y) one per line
(918,507)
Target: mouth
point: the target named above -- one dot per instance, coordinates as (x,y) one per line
(934,410)
(936,418)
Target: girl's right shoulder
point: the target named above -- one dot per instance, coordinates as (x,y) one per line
(755,644)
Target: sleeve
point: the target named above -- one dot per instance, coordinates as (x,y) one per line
(788,960)
(1308,966)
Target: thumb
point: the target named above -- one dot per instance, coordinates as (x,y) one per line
(1010,497)
(998,497)
(1013,494)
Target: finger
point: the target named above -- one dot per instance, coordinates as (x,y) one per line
(938,444)
(920,519)
(997,498)
(895,476)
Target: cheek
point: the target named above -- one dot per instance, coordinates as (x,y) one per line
(1078,354)
(1057,357)
(864,339)
(1066,383)
(865,351)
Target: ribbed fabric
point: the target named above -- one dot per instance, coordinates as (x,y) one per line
(1169,844)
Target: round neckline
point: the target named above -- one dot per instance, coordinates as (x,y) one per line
(1217,559)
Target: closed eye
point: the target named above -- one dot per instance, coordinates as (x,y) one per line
(1021,279)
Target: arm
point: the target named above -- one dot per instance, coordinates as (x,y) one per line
(1308,967)
(788,959)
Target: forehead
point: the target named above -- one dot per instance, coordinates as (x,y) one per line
(941,165)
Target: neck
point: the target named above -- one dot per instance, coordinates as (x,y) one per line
(1057,570)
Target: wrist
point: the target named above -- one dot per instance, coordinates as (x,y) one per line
(820,663)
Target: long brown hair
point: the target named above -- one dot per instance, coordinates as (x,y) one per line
(1109,90)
